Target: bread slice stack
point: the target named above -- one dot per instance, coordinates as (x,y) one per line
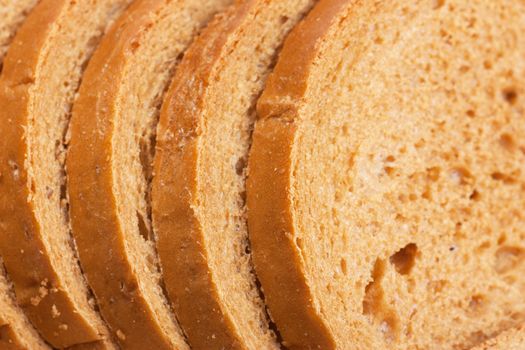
(112,135)
(199,184)
(41,73)
(262,174)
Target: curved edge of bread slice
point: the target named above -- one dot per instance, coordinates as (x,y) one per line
(16,332)
(200,168)
(108,165)
(276,257)
(37,86)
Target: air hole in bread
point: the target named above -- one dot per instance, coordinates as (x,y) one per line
(438,4)
(143,228)
(344,267)
(507,141)
(508,258)
(405,259)
(475,196)
(506,179)
(476,305)
(374,305)
(461,175)
(470,113)
(389,170)
(482,247)
(134,46)
(240,166)
(502,239)
(510,95)
(284,19)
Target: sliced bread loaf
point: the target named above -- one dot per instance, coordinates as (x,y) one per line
(12,13)
(39,80)
(387,176)
(512,339)
(112,138)
(199,175)
(16,332)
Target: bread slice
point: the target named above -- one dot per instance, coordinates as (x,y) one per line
(40,76)
(12,13)
(109,165)
(512,339)
(16,332)
(387,176)
(199,183)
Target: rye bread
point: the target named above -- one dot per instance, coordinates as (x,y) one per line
(199,175)
(12,13)
(112,138)
(387,176)
(41,73)
(16,332)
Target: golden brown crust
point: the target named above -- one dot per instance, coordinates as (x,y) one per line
(94,216)
(270,222)
(9,338)
(186,272)
(36,284)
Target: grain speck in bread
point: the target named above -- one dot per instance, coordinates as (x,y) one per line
(39,80)
(199,183)
(112,135)
(16,332)
(387,176)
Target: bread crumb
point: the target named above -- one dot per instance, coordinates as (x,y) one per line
(121,335)
(54,311)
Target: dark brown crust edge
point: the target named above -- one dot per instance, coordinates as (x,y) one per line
(96,228)
(270,219)
(21,244)
(179,234)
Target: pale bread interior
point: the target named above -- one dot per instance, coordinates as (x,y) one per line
(512,339)
(409,174)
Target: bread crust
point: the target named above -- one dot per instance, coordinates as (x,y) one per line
(186,273)
(270,220)
(110,275)
(94,208)
(96,228)
(15,330)
(38,287)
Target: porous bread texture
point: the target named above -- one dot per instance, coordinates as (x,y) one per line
(199,184)
(512,339)
(42,71)
(12,13)
(387,173)
(16,332)
(112,140)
